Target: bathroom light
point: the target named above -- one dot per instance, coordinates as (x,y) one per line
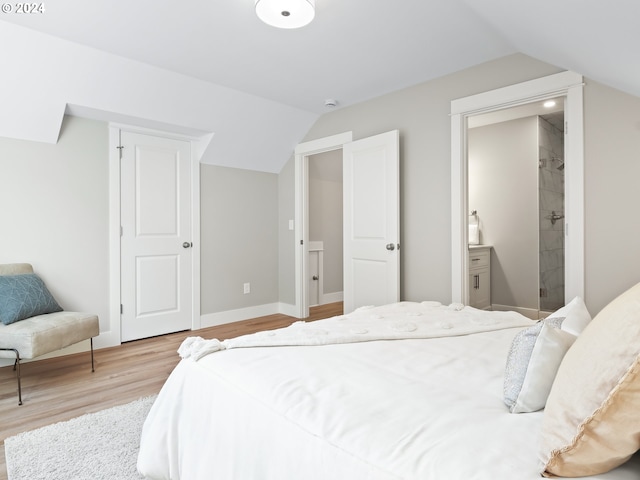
(549,104)
(286,13)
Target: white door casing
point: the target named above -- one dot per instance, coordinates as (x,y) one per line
(156,253)
(371,221)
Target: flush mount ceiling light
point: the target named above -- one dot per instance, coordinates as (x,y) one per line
(549,104)
(286,13)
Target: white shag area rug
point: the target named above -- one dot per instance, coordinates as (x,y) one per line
(96,446)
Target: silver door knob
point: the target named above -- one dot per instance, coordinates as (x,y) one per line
(187,245)
(391,246)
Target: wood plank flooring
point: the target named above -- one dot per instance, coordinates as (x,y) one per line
(62,388)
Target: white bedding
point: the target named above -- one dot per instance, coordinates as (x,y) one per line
(425,409)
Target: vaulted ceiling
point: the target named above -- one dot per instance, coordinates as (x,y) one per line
(352,51)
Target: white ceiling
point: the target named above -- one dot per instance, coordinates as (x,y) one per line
(353,50)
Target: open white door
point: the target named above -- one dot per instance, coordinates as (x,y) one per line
(371,221)
(156,235)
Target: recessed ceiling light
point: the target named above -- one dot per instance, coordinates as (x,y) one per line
(549,104)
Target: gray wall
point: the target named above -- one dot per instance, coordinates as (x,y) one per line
(612,170)
(325,213)
(503,188)
(55,199)
(54,213)
(421,113)
(286,237)
(239,217)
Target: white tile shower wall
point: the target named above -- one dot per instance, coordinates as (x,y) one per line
(551,190)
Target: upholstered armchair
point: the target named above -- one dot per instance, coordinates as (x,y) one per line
(32,323)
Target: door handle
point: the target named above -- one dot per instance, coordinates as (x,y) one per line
(315,277)
(187,245)
(390,246)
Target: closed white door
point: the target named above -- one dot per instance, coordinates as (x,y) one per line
(156,228)
(371,221)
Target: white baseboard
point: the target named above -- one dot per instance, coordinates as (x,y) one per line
(229,316)
(107,339)
(531,313)
(288,309)
(331,297)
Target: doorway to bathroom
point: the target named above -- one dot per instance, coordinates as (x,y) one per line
(516,202)
(325,274)
(567,85)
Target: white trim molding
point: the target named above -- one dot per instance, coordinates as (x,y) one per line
(237,315)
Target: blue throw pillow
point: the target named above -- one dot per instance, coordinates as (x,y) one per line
(24,296)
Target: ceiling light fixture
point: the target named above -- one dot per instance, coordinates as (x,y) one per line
(286,13)
(549,104)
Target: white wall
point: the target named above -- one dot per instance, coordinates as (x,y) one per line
(503,188)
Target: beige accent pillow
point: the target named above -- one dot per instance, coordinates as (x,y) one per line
(592,418)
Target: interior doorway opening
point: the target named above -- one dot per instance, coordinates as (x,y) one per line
(325,274)
(566,84)
(516,205)
(303,153)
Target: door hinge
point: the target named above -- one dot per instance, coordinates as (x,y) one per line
(120,147)
(121,230)
(566,127)
(301,242)
(121,309)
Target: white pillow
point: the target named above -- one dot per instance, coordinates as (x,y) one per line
(576,315)
(534,359)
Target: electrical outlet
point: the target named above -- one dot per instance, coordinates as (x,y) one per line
(247,288)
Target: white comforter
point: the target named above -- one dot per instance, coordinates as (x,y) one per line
(399,321)
(427,409)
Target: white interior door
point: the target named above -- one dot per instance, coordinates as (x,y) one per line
(371,221)
(156,229)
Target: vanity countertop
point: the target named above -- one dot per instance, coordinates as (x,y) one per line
(475,247)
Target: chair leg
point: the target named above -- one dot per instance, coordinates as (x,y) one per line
(16,368)
(92,368)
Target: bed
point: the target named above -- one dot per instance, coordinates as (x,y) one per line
(403,391)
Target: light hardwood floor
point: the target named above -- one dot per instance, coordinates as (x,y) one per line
(62,388)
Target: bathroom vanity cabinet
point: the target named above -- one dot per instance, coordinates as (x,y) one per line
(480,276)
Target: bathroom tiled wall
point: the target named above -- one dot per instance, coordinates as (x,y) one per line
(551,198)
